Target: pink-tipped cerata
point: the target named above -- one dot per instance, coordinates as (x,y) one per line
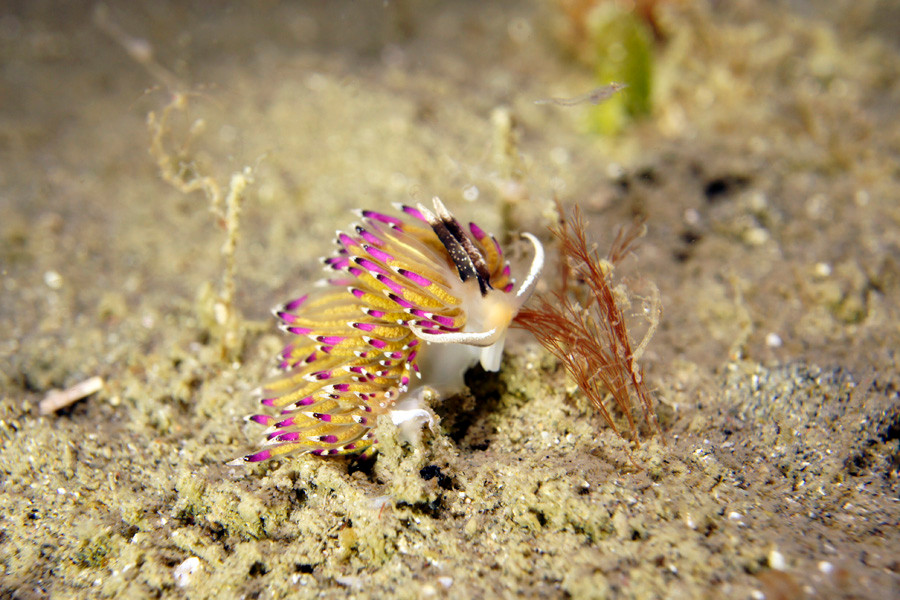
(356,343)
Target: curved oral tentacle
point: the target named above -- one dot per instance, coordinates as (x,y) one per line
(534,273)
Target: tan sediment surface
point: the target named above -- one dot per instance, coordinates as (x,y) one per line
(768,175)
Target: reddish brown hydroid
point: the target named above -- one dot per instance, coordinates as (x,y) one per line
(583,325)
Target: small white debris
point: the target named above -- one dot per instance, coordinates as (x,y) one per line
(756,236)
(350,581)
(57,399)
(379,502)
(773,340)
(692,216)
(446,582)
(822,269)
(185,571)
(471,193)
(221,313)
(53,280)
(757,202)
(776,560)
(825,567)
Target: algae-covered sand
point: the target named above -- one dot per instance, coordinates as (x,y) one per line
(768,176)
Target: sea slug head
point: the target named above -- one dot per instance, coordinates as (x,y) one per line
(489,310)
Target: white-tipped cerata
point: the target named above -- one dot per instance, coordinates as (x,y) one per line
(430,216)
(442,211)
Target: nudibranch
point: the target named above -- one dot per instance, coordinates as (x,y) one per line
(404,296)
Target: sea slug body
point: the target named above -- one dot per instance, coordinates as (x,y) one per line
(404,295)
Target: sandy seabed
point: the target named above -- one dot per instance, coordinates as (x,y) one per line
(768,176)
